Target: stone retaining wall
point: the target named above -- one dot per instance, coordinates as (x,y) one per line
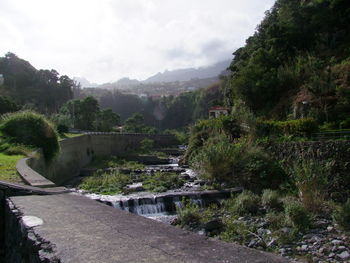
(336,152)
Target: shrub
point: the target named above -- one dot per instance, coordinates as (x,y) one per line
(342,215)
(32,129)
(204,129)
(244,203)
(297,216)
(275,220)
(105,183)
(146,145)
(271,199)
(115,162)
(161,182)
(214,160)
(237,164)
(62,128)
(296,128)
(236,231)
(188,213)
(310,177)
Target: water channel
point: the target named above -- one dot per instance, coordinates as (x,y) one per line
(162,206)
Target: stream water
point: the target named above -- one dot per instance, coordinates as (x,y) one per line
(162,206)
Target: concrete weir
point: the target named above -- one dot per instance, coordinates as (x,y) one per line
(50,225)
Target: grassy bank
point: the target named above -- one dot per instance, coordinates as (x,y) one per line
(8,168)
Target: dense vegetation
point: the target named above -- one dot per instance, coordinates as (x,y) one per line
(290,80)
(297,63)
(171,112)
(41,90)
(86,114)
(29,129)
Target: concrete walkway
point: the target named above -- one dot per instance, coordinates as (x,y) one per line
(82,230)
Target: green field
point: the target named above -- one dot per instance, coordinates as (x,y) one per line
(8,168)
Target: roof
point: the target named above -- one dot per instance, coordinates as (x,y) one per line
(219,108)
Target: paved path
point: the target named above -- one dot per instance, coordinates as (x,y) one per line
(83,230)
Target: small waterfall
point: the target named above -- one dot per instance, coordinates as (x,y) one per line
(166,204)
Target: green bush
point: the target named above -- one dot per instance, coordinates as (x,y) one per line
(214,161)
(188,213)
(32,129)
(345,124)
(297,215)
(115,162)
(237,164)
(204,129)
(105,183)
(275,220)
(271,199)
(311,180)
(296,128)
(161,182)
(342,215)
(236,231)
(146,145)
(244,203)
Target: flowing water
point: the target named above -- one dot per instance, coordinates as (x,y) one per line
(162,206)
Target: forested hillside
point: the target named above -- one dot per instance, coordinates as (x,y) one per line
(169,112)
(42,90)
(297,63)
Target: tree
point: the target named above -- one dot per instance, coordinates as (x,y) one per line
(106,120)
(88,111)
(7,105)
(135,123)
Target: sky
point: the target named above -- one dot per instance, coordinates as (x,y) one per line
(105,40)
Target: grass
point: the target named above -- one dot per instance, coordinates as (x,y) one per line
(115,162)
(161,182)
(8,168)
(69,135)
(105,183)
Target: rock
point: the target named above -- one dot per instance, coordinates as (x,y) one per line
(331,255)
(201,232)
(304,247)
(286,230)
(322,250)
(344,255)
(341,248)
(330,228)
(337,242)
(185,176)
(272,243)
(261,231)
(283,252)
(253,243)
(321,223)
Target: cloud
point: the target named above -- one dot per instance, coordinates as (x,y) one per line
(104,40)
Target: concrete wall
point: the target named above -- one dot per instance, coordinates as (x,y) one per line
(20,243)
(77,152)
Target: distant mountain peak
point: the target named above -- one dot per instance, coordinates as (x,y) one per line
(84,83)
(190,73)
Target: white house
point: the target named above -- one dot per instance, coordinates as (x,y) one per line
(216,111)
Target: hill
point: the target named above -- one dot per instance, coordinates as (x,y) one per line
(297,63)
(190,73)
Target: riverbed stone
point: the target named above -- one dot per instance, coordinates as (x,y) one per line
(344,255)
